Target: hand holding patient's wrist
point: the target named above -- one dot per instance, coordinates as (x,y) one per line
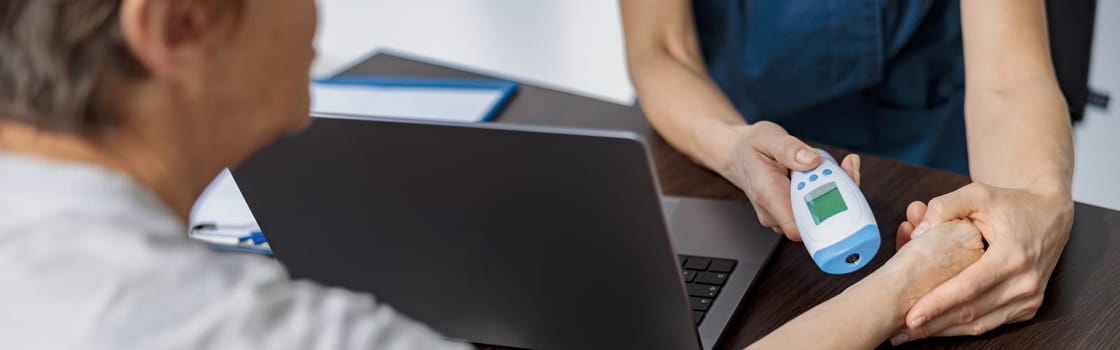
(927,261)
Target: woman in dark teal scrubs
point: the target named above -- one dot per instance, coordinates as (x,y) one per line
(885,77)
(736,85)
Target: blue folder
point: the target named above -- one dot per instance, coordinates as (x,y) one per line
(506,88)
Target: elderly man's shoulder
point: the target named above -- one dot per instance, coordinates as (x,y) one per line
(73,283)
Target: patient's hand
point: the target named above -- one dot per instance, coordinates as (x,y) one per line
(875,308)
(935,256)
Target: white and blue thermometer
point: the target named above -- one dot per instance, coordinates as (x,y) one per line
(833,217)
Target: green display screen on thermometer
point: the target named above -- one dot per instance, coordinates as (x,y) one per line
(825,202)
(833,217)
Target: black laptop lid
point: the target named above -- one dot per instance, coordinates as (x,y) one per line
(516,236)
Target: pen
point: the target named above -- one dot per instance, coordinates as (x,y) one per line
(231,238)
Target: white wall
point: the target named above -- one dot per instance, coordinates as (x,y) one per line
(1097,138)
(572,45)
(576,45)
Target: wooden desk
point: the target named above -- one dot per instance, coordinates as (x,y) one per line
(1082,307)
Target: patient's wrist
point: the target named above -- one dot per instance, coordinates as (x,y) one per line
(900,279)
(917,270)
(880,297)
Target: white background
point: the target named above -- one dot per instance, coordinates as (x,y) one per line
(576,46)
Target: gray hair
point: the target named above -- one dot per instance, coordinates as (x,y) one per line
(53,54)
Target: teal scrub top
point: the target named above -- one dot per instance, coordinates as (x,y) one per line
(878,76)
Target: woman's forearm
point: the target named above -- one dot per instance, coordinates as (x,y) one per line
(1019,133)
(686,108)
(1021,138)
(674,89)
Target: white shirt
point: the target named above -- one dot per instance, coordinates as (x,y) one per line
(90,260)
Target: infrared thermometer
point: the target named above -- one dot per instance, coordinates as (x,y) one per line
(833,217)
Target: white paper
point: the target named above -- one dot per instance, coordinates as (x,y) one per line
(221,203)
(443,104)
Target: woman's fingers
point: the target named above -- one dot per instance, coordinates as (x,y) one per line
(903,234)
(765,219)
(914,214)
(851,164)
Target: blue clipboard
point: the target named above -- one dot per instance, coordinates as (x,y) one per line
(507,89)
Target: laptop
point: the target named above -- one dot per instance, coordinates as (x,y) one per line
(521,236)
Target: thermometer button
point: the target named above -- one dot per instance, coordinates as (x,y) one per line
(800,186)
(827,172)
(813,177)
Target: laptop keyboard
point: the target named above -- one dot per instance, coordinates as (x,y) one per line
(704,279)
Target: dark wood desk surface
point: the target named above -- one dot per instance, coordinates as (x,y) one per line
(1082,307)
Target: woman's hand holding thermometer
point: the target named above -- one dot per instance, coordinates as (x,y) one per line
(758,159)
(833,217)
